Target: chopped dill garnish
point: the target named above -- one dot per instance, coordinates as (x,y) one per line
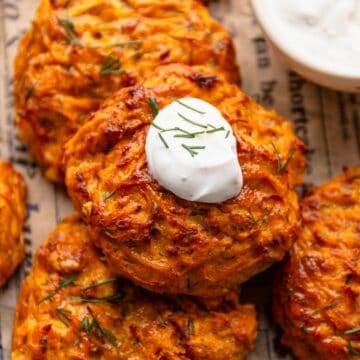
(163,141)
(92,326)
(152,102)
(109,299)
(101,283)
(328,306)
(70,30)
(186,105)
(281,167)
(111,66)
(62,284)
(106,196)
(64,315)
(352,351)
(191,121)
(191,149)
(157,126)
(352,331)
(215,130)
(227,134)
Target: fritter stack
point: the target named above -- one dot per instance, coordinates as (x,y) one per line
(78,301)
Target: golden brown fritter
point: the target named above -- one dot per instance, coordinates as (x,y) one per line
(317,291)
(78,52)
(171,245)
(72,307)
(12,217)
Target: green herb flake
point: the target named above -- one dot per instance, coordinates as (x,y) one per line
(186,105)
(281,167)
(352,331)
(163,141)
(326,307)
(152,102)
(101,283)
(106,196)
(215,130)
(89,327)
(191,121)
(64,315)
(111,66)
(70,30)
(109,299)
(191,149)
(62,284)
(352,351)
(227,134)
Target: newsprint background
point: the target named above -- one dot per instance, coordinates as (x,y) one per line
(327,121)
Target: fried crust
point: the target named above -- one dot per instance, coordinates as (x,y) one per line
(68,62)
(137,325)
(171,245)
(12,217)
(316,292)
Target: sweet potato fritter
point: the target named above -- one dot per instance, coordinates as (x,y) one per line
(12,217)
(167,244)
(72,307)
(317,291)
(78,52)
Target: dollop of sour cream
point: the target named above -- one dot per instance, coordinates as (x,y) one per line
(325,32)
(191,151)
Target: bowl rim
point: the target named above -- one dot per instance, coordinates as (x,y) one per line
(263,19)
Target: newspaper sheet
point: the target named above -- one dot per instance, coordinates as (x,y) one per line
(327,121)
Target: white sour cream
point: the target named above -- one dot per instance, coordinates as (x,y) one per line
(202,166)
(325,33)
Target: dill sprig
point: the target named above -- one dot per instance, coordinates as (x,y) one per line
(281,167)
(163,141)
(152,102)
(186,105)
(227,134)
(64,315)
(109,299)
(352,351)
(215,130)
(112,65)
(92,326)
(62,284)
(352,331)
(100,283)
(191,149)
(70,30)
(107,195)
(328,306)
(191,121)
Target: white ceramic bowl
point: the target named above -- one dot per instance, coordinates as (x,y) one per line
(297,60)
